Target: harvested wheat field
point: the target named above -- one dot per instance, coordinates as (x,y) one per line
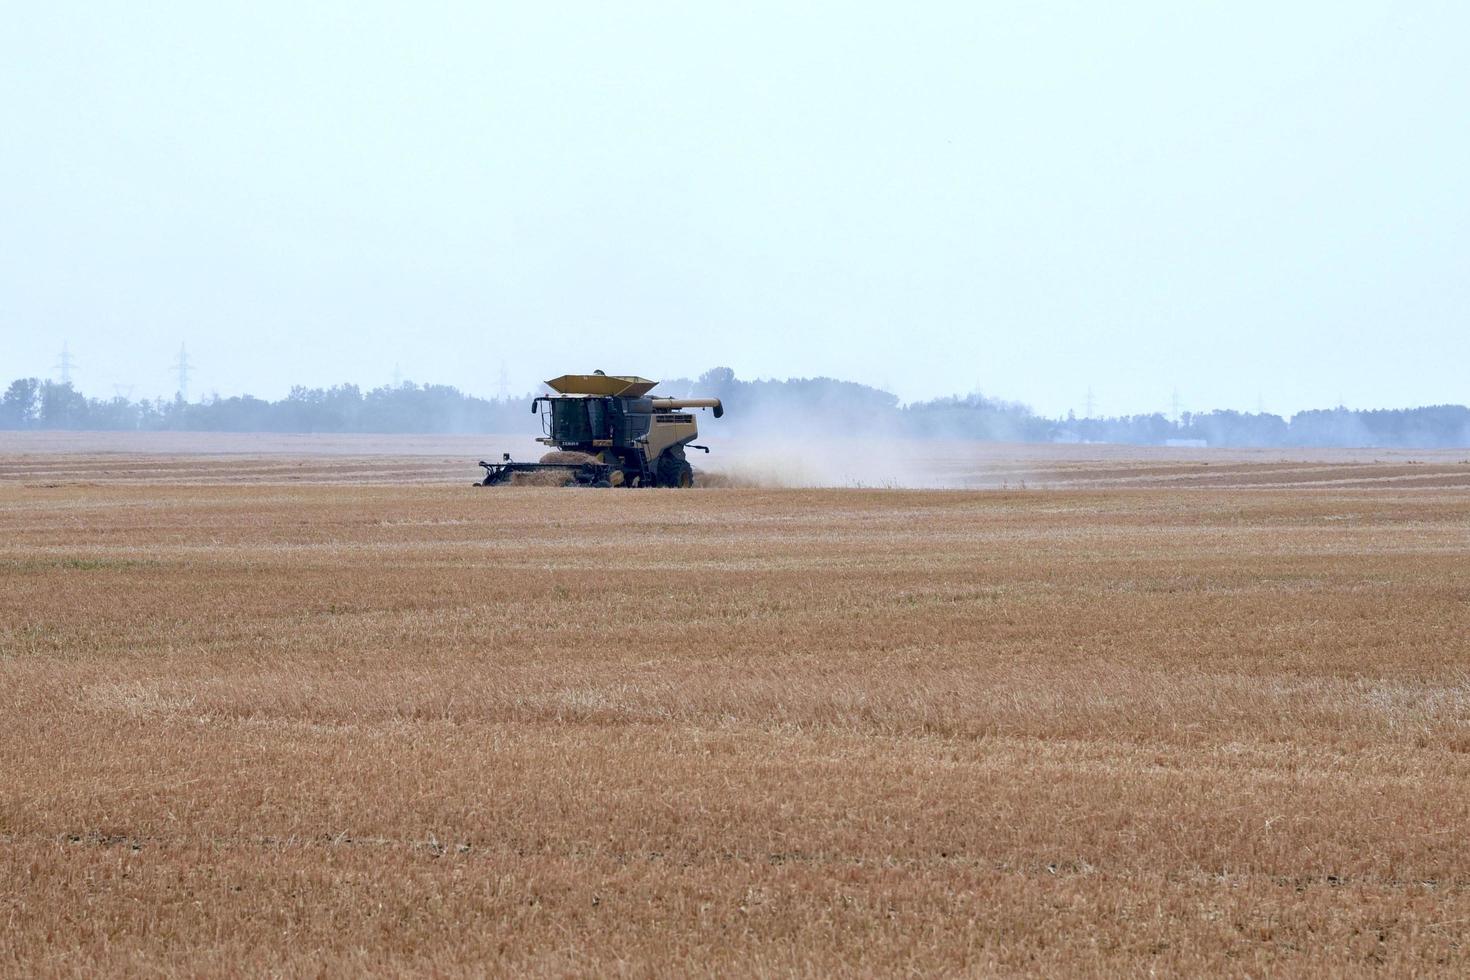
(1152,712)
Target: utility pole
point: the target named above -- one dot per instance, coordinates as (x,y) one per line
(66,363)
(183,367)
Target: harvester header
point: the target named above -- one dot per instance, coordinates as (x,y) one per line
(604,430)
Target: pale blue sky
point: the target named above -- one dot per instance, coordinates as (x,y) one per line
(1242,200)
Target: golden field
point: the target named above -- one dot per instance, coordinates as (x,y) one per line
(1107,711)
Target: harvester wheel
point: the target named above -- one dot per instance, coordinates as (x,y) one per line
(674,471)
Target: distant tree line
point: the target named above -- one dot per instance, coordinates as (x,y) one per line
(829,405)
(1430,427)
(798,406)
(32,404)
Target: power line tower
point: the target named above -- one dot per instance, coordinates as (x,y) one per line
(397,376)
(182,367)
(1088,403)
(65,363)
(1174,403)
(124,392)
(503,392)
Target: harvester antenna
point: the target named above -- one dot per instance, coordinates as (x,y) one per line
(183,367)
(65,363)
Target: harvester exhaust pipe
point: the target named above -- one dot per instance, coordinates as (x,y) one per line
(673,404)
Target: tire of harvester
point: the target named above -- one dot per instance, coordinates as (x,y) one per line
(674,472)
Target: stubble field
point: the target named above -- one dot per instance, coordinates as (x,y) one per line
(1116,711)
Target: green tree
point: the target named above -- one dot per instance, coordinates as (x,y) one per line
(21,403)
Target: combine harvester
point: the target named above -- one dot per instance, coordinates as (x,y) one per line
(606,432)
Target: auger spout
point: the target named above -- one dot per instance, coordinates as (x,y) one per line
(674,404)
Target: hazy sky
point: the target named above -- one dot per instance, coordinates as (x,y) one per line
(1242,200)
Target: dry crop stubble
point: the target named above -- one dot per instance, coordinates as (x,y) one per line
(299,728)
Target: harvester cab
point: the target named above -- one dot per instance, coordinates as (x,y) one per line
(605,430)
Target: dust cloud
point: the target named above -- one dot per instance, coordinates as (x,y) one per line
(769,440)
(876,463)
